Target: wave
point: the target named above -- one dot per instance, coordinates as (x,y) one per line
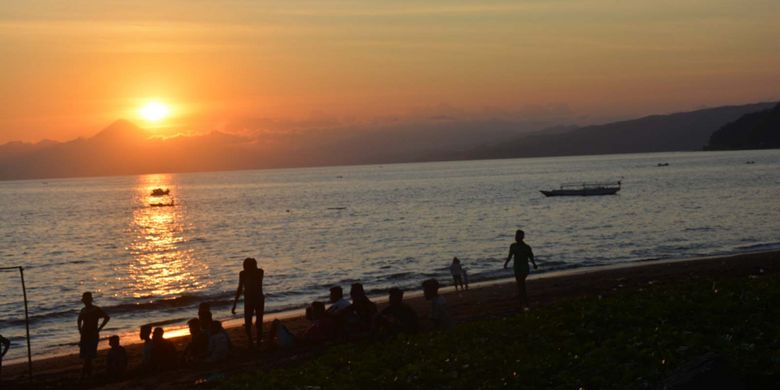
(759,247)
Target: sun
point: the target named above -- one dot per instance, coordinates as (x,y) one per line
(154,111)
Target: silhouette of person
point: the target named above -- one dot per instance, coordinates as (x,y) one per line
(397,317)
(90,332)
(205,317)
(116,361)
(337,301)
(522,254)
(457,273)
(163,351)
(323,327)
(361,308)
(146,336)
(4,345)
(250,283)
(440,315)
(198,348)
(219,343)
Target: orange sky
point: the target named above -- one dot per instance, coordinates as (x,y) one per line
(70,68)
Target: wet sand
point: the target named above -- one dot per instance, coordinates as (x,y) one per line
(484,300)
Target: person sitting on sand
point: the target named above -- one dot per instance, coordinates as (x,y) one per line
(4,345)
(198,348)
(146,336)
(337,301)
(397,317)
(163,351)
(362,310)
(250,283)
(440,315)
(523,254)
(457,274)
(205,317)
(219,344)
(116,361)
(90,332)
(323,328)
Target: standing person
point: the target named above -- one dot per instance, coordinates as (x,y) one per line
(440,315)
(522,254)
(116,361)
(250,283)
(89,331)
(457,273)
(4,345)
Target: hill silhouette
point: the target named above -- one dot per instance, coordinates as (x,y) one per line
(655,133)
(124,149)
(758,130)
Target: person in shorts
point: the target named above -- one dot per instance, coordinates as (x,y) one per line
(89,330)
(250,283)
(522,254)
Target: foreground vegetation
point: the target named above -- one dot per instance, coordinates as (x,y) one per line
(630,340)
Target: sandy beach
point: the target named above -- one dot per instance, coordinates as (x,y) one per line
(483,300)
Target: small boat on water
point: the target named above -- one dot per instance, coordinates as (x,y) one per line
(585,189)
(662,165)
(160,192)
(170,204)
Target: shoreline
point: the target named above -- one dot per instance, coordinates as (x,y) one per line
(493,297)
(177,328)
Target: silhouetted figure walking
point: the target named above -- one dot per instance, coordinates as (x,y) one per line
(4,345)
(250,283)
(522,254)
(440,315)
(116,361)
(89,331)
(397,317)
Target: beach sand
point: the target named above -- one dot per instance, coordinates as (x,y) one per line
(484,300)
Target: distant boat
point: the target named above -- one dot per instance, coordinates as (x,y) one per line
(161,204)
(662,165)
(585,189)
(160,192)
(750,162)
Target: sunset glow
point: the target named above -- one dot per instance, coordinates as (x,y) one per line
(154,111)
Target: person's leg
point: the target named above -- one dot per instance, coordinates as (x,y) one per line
(259,310)
(523,293)
(520,281)
(249,309)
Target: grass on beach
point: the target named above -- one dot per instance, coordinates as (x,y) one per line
(629,340)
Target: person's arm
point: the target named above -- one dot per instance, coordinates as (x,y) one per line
(6,344)
(105,320)
(80,322)
(260,280)
(509,257)
(531,256)
(238,293)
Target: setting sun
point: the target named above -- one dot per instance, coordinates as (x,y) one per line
(154,111)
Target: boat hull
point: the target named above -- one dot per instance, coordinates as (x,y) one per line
(582,192)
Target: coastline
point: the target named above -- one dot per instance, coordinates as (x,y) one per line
(492,298)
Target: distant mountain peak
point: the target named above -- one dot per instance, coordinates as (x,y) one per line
(121,130)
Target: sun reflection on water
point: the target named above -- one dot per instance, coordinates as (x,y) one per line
(162,266)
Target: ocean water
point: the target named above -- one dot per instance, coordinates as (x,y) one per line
(383,225)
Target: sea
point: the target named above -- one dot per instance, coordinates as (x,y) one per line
(385,226)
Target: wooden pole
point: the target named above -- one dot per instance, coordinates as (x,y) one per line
(26,325)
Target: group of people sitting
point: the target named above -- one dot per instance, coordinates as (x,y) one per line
(346,319)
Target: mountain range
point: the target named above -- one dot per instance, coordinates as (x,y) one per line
(123,148)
